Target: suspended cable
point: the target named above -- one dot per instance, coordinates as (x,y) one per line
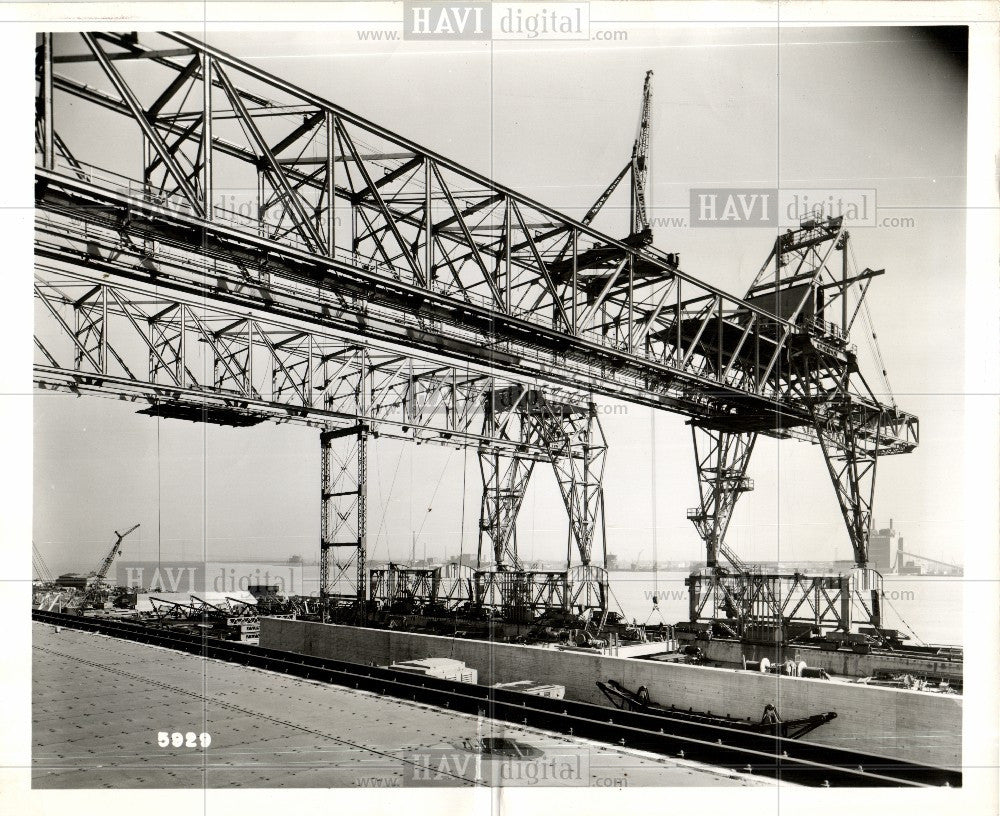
(909,628)
(652,433)
(873,343)
(41,567)
(615,597)
(430,504)
(388,498)
(465,469)
(656,609)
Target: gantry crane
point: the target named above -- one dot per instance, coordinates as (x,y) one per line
(372,287)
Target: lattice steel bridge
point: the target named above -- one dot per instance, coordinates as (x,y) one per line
(221,246)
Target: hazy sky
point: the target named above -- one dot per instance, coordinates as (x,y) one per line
(875,108)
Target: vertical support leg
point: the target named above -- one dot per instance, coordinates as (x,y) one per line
(361,572)
(578,449)
(721,460)
(505,477)
(505,481)
(343,516)
(48,152)
(850,436)
(852,471)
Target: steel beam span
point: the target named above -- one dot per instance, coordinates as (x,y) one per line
(776,607)
(235,249)
(271,182)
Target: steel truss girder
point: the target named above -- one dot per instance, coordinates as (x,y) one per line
(766,605)
(450,587)
(497,248)
(522,594)
(219,261)
(110,337)
(721,460)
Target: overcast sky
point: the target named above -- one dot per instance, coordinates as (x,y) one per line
(860,107)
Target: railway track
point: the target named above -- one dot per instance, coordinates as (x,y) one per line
(787,760)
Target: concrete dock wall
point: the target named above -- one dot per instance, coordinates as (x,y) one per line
(918,726)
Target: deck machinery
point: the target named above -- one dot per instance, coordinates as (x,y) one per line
(218,245)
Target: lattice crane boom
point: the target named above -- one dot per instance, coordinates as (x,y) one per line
(640,165)
(109,559)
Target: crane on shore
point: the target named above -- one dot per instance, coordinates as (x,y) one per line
(100,575)
(98,590)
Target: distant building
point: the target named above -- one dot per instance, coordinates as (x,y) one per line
(883,549)
(612,562)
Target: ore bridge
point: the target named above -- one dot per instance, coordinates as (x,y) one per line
(218,245)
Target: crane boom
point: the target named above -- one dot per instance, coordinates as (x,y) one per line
(640,164)
(41,568)
(637,168)
(105,567)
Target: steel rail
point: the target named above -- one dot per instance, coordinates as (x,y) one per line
(777,758)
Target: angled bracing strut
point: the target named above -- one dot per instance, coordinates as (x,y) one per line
(578,452)
(506,473)
(505,480)
(721,459)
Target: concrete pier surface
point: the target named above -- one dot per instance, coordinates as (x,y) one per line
(103,707)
